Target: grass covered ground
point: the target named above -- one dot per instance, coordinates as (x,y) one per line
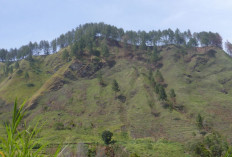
(75,108)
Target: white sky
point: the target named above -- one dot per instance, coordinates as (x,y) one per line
(22,21)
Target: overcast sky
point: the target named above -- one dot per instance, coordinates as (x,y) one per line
(22,21)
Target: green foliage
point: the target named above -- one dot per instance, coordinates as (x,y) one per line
(135,87)
(19,142)
(134,155)
(202,151)
(75,50)
(157,87)
(143,46)
(85,35)
(6,70)
(162,93)
(172,93)
(59,126)
(19,72)
(228,153)
(11,69)
(26,76)
(115,86)
(30,85)
(155,55)
(16,65)
(192,42)
(107,137)
(105,49)
(91,152)
(159,76)
(199,121)
(213,145)
(151,78)
(37,146)
(100,80)
(65,55)
(96,53)
(81,45)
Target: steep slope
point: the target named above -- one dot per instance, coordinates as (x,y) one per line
(70,99)
(203,83)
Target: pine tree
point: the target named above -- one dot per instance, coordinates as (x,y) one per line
(16,65)
(155,56)
(199,121)
(65,55)
(172,93)
(162,93)
(75,50)
(26,76)
(115,86)
(105,49)
(159,76)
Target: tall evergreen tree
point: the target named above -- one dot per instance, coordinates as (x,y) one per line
(162,93)
(115,86)
(54,46)
(16,65)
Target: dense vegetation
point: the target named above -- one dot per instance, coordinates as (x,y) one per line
(84,35)
(20,139)
(112,92)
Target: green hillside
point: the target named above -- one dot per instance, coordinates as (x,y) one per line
(74,98)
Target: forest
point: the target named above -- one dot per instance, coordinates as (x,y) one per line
(84,35)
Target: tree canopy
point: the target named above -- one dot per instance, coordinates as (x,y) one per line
(85,34)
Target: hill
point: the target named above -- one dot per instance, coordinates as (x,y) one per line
(75,101)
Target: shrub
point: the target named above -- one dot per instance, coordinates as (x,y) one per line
(134,155)
(162,93)
(211,53)
(199,121)
(16,65)
(30,85)
(213,145)
(107,137)
(19,72)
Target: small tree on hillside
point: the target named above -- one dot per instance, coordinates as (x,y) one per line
(65,55)
(159,76)
(115,86)
(228,46)
(100,80)
(199,121)
(154,56)
(105,50)
(151,78)
(16,65)
(172,95)
(75,50)
(157,86)
(26,76)
(107,137)
(162,93)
